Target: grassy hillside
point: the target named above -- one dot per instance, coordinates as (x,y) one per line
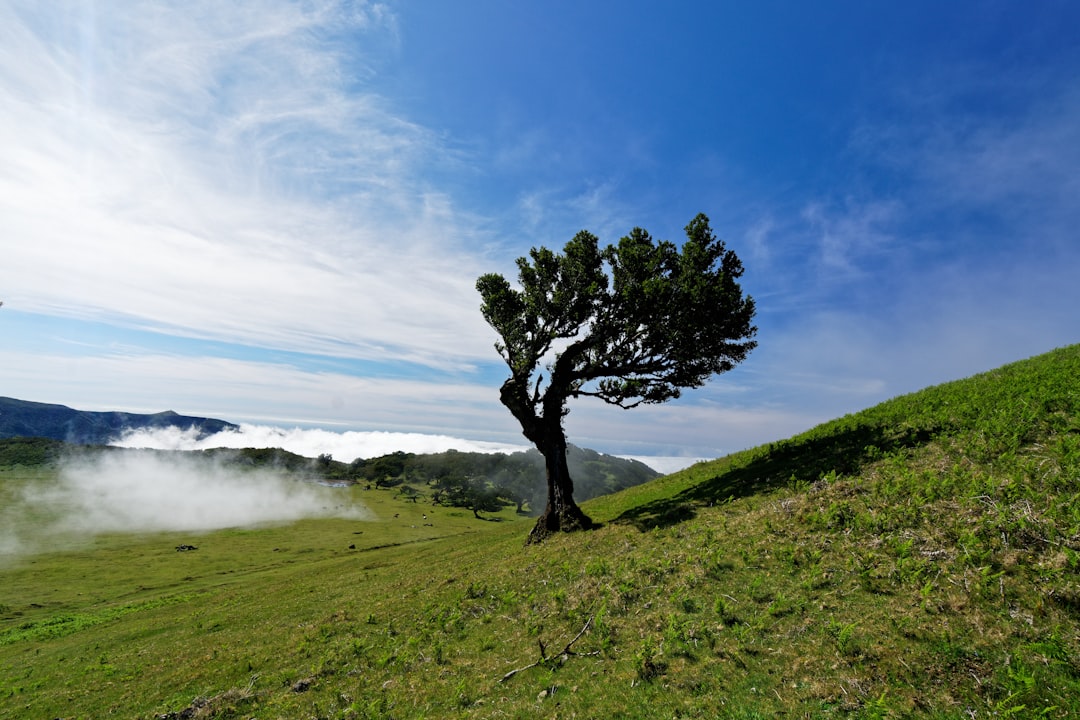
(920,558)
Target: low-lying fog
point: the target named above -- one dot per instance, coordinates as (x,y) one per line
(154,491)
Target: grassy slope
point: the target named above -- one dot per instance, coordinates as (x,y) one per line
(921,558)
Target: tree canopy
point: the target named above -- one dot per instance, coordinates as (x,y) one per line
(631,323)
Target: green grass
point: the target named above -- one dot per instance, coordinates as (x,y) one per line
(917,559)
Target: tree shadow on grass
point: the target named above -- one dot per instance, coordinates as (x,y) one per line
(804,459)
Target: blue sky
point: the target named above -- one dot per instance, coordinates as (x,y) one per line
(275,212)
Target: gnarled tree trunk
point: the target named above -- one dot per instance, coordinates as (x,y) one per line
(561,514)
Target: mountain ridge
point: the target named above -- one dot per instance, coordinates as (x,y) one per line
(25,418)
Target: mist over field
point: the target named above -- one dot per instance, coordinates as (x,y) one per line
(151,492)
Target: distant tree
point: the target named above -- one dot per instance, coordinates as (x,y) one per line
(515,486)
(447,489)
(483,499)
(629,324)
(456,490)
(409,493)
(388,470)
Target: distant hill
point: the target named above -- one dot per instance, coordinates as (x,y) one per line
(22,418)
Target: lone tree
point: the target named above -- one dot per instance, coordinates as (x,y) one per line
(631,323)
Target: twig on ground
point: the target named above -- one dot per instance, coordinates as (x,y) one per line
(561,655)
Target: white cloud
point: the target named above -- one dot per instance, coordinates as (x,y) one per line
(758,238)
(952,251)
(990,153)
(849,236)
(202,171)
(345,446)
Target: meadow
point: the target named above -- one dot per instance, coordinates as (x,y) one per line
(918,559)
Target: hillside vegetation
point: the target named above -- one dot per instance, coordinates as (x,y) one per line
(917,559)
(479,481)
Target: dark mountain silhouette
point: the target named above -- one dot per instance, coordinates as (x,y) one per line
(22,418)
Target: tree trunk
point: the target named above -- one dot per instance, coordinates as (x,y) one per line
(561,514)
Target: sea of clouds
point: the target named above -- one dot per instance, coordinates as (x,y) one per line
(309,442)
(344,446)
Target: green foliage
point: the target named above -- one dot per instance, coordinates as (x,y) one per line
(275,458)
(29,451)
(649,663)
(668,319)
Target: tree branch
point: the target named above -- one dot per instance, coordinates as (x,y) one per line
(562,654)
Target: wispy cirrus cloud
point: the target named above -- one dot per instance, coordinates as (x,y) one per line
(948,248)
(222,173)
(850,236)
(973,143)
